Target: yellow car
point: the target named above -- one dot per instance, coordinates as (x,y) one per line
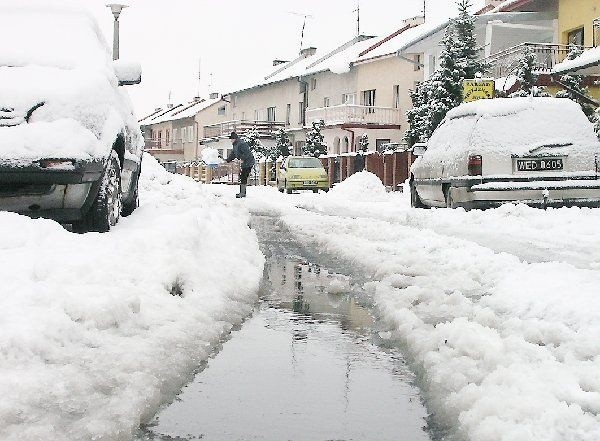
(302,173)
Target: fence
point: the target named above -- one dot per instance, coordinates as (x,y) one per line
(393,168)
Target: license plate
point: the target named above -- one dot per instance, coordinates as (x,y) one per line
(310,182)
(525,165)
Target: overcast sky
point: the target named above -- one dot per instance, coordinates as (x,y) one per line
(236,40)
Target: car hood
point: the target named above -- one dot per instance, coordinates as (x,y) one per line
(38,101)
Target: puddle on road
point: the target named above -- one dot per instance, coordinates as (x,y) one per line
(305,367)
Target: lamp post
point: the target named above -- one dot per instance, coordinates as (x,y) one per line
(116,10)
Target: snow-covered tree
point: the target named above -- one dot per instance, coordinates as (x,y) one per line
(282,145)
(364,142)
(575,90)
(252,138)
(315,145)
(459,60)
(527,77)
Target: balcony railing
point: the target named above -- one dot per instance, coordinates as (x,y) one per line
(506,62)
(354,114)
(264,128)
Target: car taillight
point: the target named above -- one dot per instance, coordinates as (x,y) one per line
(61,164)
(475,165)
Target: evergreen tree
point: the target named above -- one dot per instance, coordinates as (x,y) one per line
(433,98)
(364,142)
(527,77)
(252,138)
(575,89)
(315,145)
(282,145)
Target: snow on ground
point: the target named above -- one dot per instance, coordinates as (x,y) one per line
(497,309)
(99,329)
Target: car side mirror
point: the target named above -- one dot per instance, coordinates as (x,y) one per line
(128,73)
(419,149)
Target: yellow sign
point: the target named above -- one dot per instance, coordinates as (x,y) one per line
(474,90)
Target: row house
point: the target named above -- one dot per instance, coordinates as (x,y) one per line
(173,134)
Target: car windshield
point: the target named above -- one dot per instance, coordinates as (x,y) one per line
(62,39)
(305,163)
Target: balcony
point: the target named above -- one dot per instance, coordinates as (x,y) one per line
(355,114)
(222,130)
(506,62)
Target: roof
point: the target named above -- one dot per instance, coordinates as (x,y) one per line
(587,63)
(510,5)
(180,111)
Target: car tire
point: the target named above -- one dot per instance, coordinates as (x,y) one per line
(315,191)
(129,207)
(415,200)
(287,190)
(106,208)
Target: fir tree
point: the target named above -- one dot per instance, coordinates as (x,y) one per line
(282,145)
(315,146)
(527,77)
(252,138)
(466,43)
(364,142)
(575,90)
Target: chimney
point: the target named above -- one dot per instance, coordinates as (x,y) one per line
(169,106)
(414,21)
(214,95)
(307,52)
(278,62)
(197,99)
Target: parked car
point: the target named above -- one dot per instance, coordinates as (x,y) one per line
(537,151)
(70,145)
(302,173)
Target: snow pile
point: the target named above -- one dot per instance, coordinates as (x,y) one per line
(97,330)
(360,187)
(210,156)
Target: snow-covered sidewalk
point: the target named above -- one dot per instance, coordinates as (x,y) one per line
(497,309)
(98,330)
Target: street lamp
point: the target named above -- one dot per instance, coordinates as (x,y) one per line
(116,10)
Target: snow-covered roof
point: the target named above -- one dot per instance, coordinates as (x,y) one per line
(180,111)
(509,5)
(587,63)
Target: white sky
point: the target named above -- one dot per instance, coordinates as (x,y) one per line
(237,40)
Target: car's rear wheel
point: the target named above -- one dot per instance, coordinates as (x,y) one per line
(106,208)
(315,190)
(415,200)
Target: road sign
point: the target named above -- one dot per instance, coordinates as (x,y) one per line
(474,90)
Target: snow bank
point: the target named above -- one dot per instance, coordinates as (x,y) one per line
(97,330)
(210,156)
(363,186)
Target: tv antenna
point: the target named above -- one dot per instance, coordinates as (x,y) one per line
(199,76)
(357,10)
(305,17)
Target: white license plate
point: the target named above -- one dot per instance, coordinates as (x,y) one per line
(310,182)
(539,164)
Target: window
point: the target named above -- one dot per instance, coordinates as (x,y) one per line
(596,32)
(257,115)
(368,99)
(183,134)
(190,134)
(222,110)
(326,102)
(288,114)
(396,96)
(243,116)
(380,143)
(174,135)
(167,137)
(349,98)
(234,101)
(417,62)
(432,61)
(313,83)
(271,114)
(301,113)
(576,37)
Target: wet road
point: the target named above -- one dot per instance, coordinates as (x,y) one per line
(309,365)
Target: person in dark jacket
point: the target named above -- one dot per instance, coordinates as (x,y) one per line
(241,150)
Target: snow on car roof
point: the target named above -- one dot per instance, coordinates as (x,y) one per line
(59,34)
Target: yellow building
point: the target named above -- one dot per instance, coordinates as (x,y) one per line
(576,19)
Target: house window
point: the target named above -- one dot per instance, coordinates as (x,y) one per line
(191,134)
(174,135)
(301,113)
(313,83)
(597,32)
(432,61)
(288,114)
(326,102)
(396,96)
(271,114)
(576,37)
(349,98)
(380,144)
(234,101)
(368,98)
(417,62)
(183,133)
(160,139)
(222,110)
(167,137)
(243,116)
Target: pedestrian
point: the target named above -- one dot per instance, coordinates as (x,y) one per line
(241,150)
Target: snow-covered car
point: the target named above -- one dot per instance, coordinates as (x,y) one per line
(537,151)
(70,145)
(302,173)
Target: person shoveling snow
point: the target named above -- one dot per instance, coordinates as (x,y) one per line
(241,151)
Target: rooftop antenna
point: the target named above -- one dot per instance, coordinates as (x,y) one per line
(357,10)
(424,9)
(305,17)
(199,76)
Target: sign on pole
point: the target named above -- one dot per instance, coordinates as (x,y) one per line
(474,90)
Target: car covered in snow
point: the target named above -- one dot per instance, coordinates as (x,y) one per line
(537,151)
(302,173)
(70,145)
